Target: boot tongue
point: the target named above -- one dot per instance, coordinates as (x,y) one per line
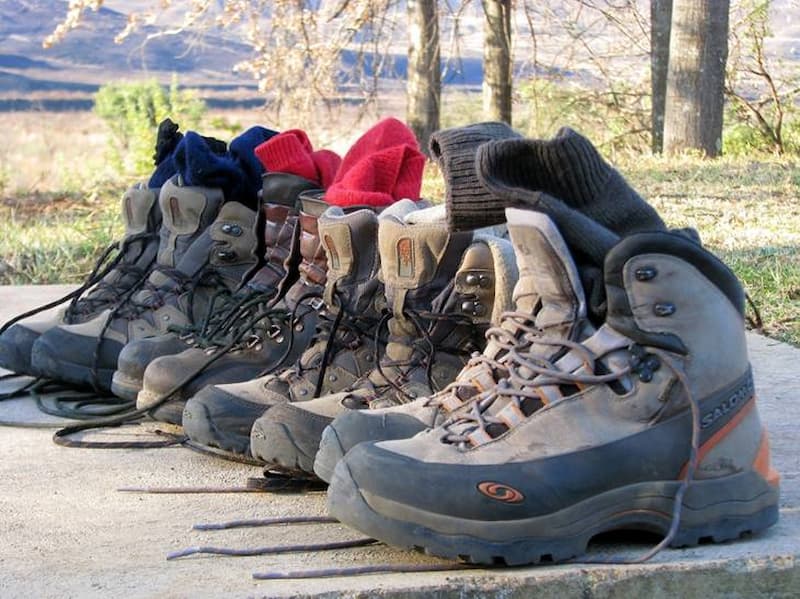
(137,202)
(186,214)
(314,264)
(140,214)
(279,233)
(353,269)
(419,259)
(353,259)
(549,288)
(549,285)
(280,193)
(229,244)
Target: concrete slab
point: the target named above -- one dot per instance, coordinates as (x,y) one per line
(66,531)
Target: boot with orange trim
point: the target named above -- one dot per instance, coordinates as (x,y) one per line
(649,424)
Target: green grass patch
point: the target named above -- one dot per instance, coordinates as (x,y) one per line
(56,238)
(746,211)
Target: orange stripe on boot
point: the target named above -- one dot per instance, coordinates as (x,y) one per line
(762,464)
(715,439)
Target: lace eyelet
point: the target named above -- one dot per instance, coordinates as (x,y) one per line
(230,229)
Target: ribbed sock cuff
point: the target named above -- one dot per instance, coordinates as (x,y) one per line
(469,205)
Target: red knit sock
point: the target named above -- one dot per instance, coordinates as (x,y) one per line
(291,152)
(383,166)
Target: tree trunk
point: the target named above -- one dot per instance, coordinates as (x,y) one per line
(497,64)
(660,21)
(424,70)
(698,51)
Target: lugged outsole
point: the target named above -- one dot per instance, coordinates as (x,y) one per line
(346,503)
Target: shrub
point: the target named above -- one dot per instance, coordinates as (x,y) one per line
(616,119)
(132,111)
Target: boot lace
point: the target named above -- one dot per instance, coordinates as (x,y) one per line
(518,393)
(336,329)
(225,322)
(423,354)
(516,329)
(104,293)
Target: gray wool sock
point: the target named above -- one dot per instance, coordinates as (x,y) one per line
(569,168)
(466,199)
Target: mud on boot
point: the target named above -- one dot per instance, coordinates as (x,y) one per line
(600,440)
(548,299)
(281,256)
(86,354)
(443,290)
(341,351)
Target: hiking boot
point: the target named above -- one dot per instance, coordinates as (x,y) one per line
(280,193)
(108,284)
(190,257)
(262,337)
(341,351)
(548,300)
(600,440)
(443,290)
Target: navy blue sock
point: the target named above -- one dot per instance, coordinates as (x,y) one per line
(237,172)
(242,151)
(167,140)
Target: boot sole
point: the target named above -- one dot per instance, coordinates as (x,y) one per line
(283,452)
(170,411)
(69,372)
(124,386)
(15,350)
(200,428)
(329,454)
(713,511)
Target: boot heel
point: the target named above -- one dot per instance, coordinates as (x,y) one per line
(727,508)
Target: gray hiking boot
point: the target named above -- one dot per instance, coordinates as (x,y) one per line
(341,352)
(136,253)
(195,259)
(262,337)
(548,299)
(600,440)
(280,195)
(443,290)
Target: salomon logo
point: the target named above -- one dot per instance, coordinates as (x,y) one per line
(728,405)
(500,492)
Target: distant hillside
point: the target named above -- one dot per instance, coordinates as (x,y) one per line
(63,77)
(88,56)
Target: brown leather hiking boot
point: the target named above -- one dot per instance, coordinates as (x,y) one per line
(261,337)
(548,299)
(269,283)
(649,424)
(194,260)
(341,352)
(443,290)
(107,286)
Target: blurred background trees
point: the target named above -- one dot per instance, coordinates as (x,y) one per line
(669,75)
